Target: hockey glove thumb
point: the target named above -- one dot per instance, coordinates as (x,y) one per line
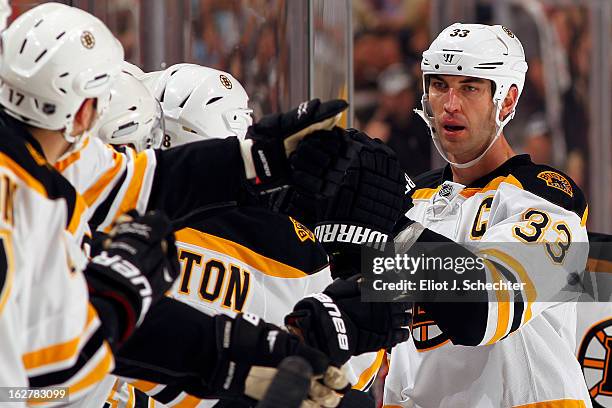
(270,141)
(338,323)
(133,266)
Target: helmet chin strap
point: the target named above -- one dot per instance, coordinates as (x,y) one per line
(429,120)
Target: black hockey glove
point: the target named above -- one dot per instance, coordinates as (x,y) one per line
(249,349)
(350,188)
(132,267)
(338,323)
(270,141)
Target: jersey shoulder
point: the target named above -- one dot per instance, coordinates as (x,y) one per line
(552,185)
(21,155)
(272,235)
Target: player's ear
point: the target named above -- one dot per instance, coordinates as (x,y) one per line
(509,102)
(84,117)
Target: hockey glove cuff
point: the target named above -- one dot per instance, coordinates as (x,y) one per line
(132,267)
(270,141)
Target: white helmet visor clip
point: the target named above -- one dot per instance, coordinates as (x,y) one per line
(158,130)
(239,120)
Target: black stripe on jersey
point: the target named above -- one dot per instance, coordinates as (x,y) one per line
(59,377)
(519,302)
(102,211)
(14,143)
(141,400)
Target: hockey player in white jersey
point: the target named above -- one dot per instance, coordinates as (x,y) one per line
(227,266)
(51,110)
(54,333)
(507,348)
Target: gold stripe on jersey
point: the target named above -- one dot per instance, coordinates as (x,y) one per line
(585,215)
(503,306)
(93,192)
(79,208)
(97,373)
(131,397)
(144,386)
(130,199)
(70,159)
(492,185)
(369,373)
(425,193)
(22,174)
(516,266)
(234,250)
(58,352)
(562,403)
(5,291)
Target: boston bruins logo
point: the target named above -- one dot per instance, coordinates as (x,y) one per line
(302,232)
(225,81)
(555,180)
(88,40)
(594,357)
(425,333)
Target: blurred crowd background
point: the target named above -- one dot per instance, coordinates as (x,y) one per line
(285,51)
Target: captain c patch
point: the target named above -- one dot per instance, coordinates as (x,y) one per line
(556,180)
(302,232)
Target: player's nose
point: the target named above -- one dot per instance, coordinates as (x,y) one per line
(452,102)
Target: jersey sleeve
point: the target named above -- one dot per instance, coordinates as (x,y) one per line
(192,176)
(534,246)
(178,181)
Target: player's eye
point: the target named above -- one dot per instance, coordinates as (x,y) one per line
(439,85)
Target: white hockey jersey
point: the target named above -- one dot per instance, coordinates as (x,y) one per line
(51,334)
(516,353)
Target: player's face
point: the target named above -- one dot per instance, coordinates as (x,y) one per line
(464,115)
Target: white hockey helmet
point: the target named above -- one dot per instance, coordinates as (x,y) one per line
(134,116)
(199,103)
(53,58)
(5,13)
(475,50)
(135,70)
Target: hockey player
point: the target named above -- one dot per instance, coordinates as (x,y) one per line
(227,266)
(52,109)
(52,332)
(506,348)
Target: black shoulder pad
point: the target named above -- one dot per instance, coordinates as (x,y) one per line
(552,185)
(273,235)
